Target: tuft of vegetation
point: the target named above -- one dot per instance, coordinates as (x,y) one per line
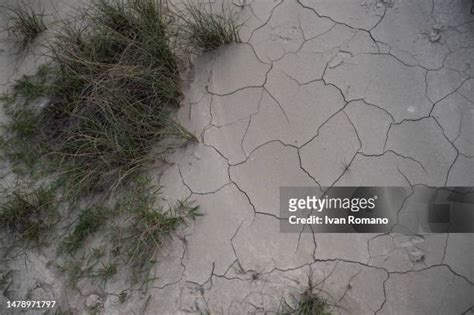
(106,272)
(24,25)
(28,213)
(308,303)
(205,30)
(312,304)
(90,220)
(108,93)
(133,236)
(22,141)
(148,228)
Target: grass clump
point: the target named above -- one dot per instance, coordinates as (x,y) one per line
(308,303)
(111,87)
(88,265)
(312,304)
(23,124)
(22,140)
(117,83)
(28,213)
(148,228)
(132,236)
(90,220)
(24,25)
(205,30)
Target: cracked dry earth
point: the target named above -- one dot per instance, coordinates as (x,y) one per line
(327,92)
(324,93)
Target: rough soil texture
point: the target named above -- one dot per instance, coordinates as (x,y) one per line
(325,92)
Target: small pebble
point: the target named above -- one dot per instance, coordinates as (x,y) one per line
(434,37)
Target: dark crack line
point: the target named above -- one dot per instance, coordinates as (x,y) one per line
(278,103)
(267,20)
